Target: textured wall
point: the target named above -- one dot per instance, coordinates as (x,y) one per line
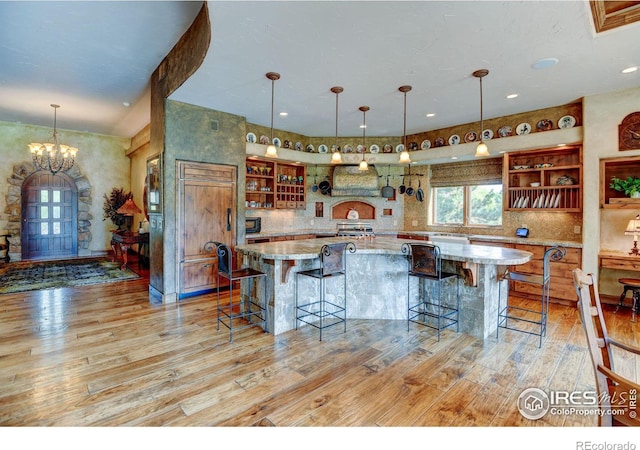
(100,158)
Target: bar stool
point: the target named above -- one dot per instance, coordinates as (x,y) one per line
(247,309)
(633,285)
(431,311)
(322,313)
(537,317)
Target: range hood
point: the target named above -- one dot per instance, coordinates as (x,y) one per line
(350,181)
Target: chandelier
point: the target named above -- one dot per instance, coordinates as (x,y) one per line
(53,156)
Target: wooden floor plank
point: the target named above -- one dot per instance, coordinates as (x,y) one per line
(108,356)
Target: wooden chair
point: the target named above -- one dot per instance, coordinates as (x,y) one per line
(615,392)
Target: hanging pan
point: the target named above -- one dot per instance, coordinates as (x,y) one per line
(419,193)
(388,191)
(410,191)
(402,187)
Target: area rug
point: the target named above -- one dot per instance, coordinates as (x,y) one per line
(29,276)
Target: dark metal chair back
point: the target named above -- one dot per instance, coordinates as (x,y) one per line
(333,257)
(552,254)
(424,259)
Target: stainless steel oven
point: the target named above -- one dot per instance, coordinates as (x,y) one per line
(253,225)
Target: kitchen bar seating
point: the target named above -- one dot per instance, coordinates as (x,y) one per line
(529,320)
(430,309)
(247,310)
(321,313)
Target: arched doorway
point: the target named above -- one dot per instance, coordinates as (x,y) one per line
(49,227)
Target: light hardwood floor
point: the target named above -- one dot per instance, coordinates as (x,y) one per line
(104,355)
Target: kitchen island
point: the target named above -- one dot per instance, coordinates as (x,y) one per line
(377,279)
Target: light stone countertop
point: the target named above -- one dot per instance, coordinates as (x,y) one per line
(310,249)
(387,233)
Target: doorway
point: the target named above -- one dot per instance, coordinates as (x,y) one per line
(49,216)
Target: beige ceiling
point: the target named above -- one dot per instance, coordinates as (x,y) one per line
(92,56)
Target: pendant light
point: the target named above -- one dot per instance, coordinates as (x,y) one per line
(481,149)
(272,151)
(363,164)
(404,154)
(336,156)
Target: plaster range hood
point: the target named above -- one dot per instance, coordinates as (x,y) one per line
(350,181)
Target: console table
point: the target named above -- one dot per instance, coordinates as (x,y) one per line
(125,240)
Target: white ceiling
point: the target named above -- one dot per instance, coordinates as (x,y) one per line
(92,56)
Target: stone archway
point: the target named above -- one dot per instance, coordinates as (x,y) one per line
(13,208)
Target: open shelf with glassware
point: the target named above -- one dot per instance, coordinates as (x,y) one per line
(544,180)
(274,185)
(260,187)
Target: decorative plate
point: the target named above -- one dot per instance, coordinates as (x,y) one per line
(264,140)
(439,142)
(487,134)
(388,148)
(360,148)
(523,128)
(335,148)
(454,139)
(251,137)
(566,122)
(505,131)
(399,148)
(287,143)
(413,146)
(277,142)
(310,148)
(348,149)
(471,136)
(299,146)
(374,148)
(322,148)
(426,144)
(544,125)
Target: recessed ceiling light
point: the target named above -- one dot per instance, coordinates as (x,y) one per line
(630,69)
(284,113)
(545,63)
(126,104)
(454,157)
(512,95)
(431,114)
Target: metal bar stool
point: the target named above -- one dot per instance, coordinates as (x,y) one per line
(248,310)
(430,310)
(322,313)
(633,285)
(522,316)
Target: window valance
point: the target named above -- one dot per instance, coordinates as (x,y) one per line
(465,173)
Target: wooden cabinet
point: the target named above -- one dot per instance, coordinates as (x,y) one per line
(544,180)
(621,168)
(275,185)
(561,288)
(206,212)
